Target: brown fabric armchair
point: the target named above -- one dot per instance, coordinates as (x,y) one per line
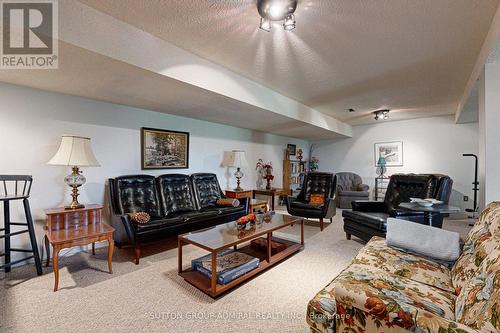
(350,188)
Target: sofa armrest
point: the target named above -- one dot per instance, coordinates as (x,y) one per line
(363,187)
(330,208)
(246,203)
(369,206)
(124,228)
(404,213)
(288,200)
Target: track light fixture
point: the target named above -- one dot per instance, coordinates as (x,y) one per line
(381,114)
(277,10)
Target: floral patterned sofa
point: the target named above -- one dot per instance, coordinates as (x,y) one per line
(388,290)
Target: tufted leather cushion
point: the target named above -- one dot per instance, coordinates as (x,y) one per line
(158,224)
(196,216)
(317,183)
(206,188)
(226,210)
(176,194)
(137,193)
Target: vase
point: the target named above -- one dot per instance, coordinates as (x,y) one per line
(268,185)
(260,179)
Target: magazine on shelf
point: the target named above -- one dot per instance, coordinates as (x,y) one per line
(230,265)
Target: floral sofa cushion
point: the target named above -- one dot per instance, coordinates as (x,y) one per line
(478,305)
(480,241)
(392,300)
(377,255)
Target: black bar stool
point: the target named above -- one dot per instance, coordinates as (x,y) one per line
(17,188)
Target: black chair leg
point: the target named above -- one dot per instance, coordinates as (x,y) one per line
(348,236)
(321,224)
(331,219)
(31,231)
(6,219)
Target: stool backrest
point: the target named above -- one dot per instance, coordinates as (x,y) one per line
(15,185)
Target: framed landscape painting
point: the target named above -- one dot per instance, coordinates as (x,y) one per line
(162,149)
(391,151)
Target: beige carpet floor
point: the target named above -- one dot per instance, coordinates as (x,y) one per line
(151,297)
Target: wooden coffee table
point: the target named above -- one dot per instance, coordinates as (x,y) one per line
(223,236)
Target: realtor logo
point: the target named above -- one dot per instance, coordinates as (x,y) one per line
(29,34)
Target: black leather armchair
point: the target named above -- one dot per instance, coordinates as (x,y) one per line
(368,218)
(315,183)
(176,203)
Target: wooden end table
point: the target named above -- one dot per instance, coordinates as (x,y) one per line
(239,194)
(66,228)
(255,204)
(272,193)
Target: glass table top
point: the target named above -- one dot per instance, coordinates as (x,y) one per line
(441,208)
(224,235)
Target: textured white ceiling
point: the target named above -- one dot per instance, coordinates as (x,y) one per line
(105,79)
(413,56)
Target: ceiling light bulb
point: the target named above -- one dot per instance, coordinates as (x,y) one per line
(265,24)
(381,114)
(289,23)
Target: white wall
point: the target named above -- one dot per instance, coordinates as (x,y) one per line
(430,145)
(489,121)
(32,121)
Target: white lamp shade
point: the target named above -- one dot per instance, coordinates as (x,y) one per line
(74,151)
(235,159)
(227,159)
(239,159)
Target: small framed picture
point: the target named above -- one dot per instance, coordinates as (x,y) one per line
(291,149)
(162,149)
(391,151)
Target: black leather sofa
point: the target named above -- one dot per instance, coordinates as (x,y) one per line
(176,203)
(315,183)
(368,218)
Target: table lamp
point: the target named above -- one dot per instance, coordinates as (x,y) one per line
(381,169)
(236,159)
(74,151)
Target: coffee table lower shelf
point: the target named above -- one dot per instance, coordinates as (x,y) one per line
(204,283)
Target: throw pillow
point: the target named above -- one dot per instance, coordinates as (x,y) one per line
(228,202)
(139,217)
(423,239)
(317,199)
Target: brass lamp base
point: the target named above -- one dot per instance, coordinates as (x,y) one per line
(238,187)
(75,180)
(238,174)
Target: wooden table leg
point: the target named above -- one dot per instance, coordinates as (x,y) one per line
(111,246)
(272,202)
(302,231)
(179,255)
(269,247)
(47,249)
(55,266)
(93,249)
(214,272)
